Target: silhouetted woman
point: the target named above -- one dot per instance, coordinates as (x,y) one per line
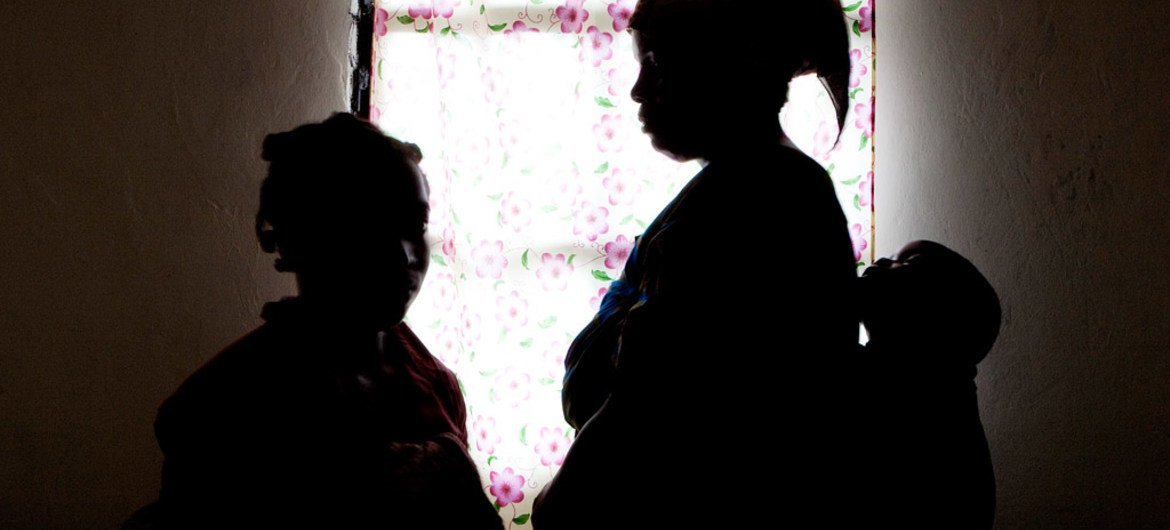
(331,414)
(710,342)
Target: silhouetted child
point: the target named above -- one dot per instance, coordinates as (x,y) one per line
(332,414)
(931,317)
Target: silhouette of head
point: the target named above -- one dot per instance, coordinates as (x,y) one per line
(700,90)
(346,208)
(930,297)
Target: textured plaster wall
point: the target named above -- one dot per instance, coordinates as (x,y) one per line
(129,172)
(1033,137)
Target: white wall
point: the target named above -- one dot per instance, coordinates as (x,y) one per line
(1035,138)
(129,175)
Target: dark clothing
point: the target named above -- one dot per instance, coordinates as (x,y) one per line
(717,341)
(591,361)
(932,463)
(299,423)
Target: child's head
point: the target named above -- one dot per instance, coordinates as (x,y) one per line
(930,297)
(698,87)
(346,208)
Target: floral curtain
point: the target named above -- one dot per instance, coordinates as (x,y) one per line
(540,179)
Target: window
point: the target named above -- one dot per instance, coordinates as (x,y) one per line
(540,180)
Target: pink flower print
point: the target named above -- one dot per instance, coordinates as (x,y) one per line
(438,199)
(470,324)
(483,430)
(617,252)
(621,11)
(515,212)
(445,8)
(426,9)
(554,357)
(595,302)
(380,18)
(507,486)
(622,187)
(825,140)
(448,346)
(421,9)
(620,80)
(449,241)
(512,311)
(866,14)
(519,27)
(567,191)
(572,16)
(375,115)
(609,133)
(508,135)
(591,221)
(864,112)
(490,89)
(554,272)
(473,151)
(596,46)
(865,193)
(513,387)
(447,65)
(552,446)
(495,92)
(518,33)
(859,243)
(443,287)
(489,259)
(858,70)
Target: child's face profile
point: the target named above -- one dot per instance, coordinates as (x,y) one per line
(928,295)
(894,289)
(706,95)
(907,256)
(351,227)
(372,256)
(392,272)
(411,239)
(691,87)
(670,97)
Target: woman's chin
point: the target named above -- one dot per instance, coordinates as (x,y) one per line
(390,319)
(674,149)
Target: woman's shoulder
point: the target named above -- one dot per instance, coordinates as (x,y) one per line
(767,187)
(239,364)
(765,175)
(415,351)
(424,366)
(793,171)
(216,391)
